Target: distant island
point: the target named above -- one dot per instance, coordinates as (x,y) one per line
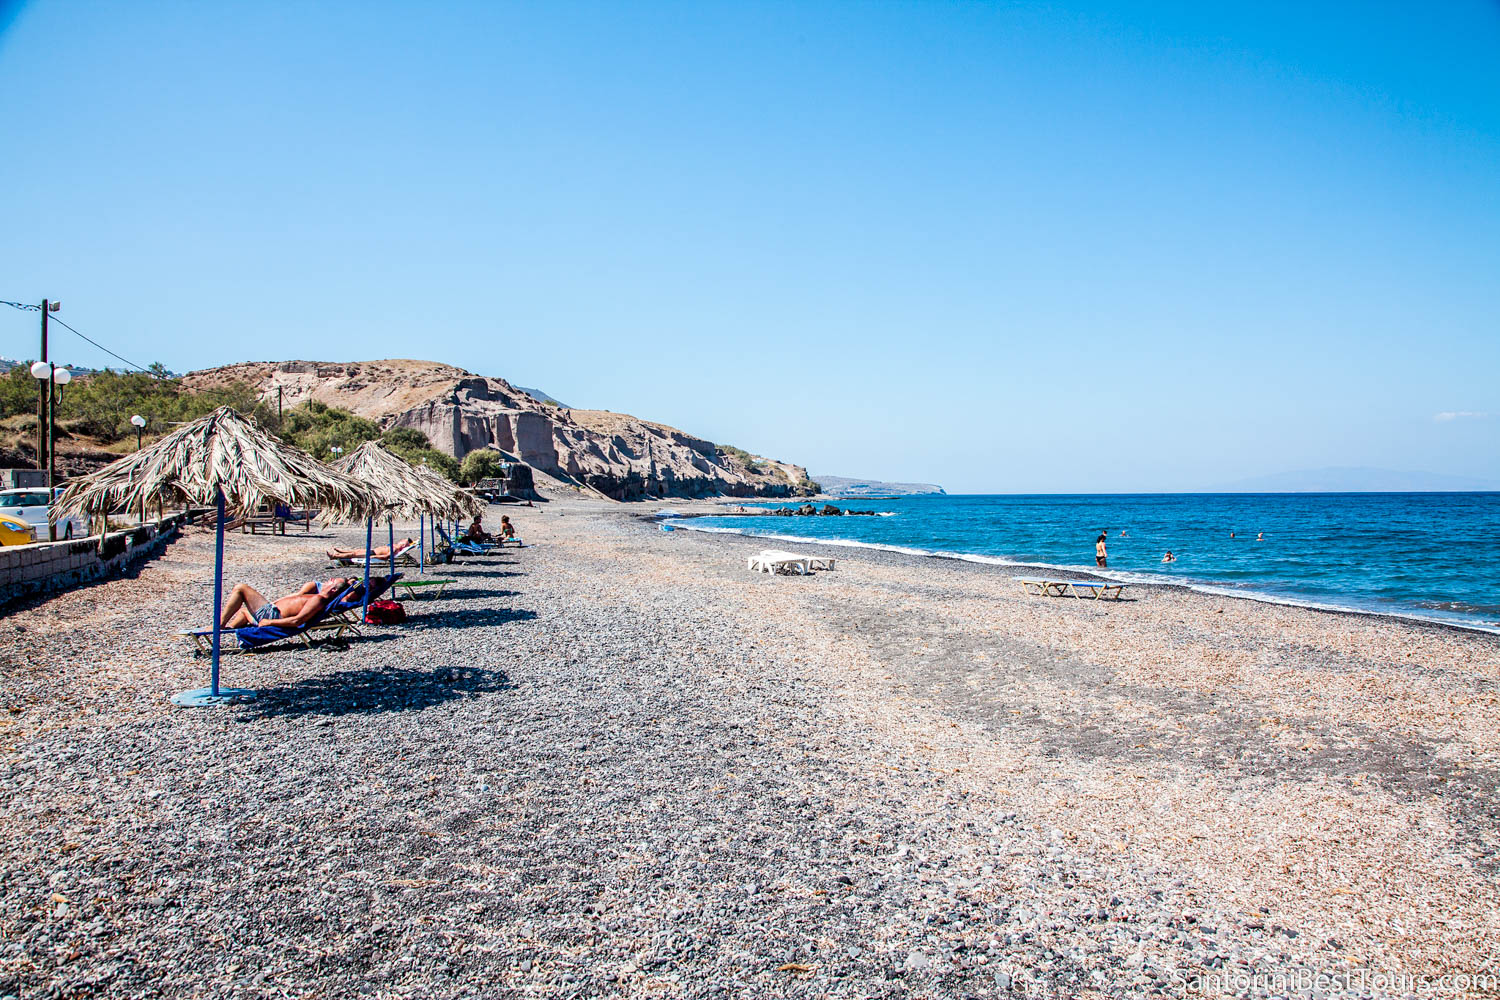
(542,397)
(847,486)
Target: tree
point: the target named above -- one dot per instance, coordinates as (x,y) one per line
(18,391)
(482,463)
(318,428)
(414,446)
(100,404)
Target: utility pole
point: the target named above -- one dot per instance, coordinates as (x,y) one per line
(278,407)
(41,409)
(47,373)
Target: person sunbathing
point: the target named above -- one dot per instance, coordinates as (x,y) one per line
(477,533)
(379,552)
(507,530)
(248,606)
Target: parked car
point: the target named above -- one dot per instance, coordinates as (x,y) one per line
(31,506)
(14,531)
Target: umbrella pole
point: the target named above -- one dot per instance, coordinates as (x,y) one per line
(364,615)
(213,694)
(218,589)
(391,544)
(421,543)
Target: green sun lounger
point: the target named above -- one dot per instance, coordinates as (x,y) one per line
(423,588)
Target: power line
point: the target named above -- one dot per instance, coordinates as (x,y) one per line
(102,347)
(31,308)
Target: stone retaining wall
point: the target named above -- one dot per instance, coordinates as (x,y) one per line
(44,567)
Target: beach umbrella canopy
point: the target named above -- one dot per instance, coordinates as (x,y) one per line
(221,454)
(225,460)
(405,489)
(465,502)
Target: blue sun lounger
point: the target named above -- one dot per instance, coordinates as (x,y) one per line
(254,636)
(1041,587)
(463,545)
(347,609)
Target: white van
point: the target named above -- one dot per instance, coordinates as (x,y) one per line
(31,506)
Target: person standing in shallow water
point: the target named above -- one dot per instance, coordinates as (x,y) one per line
(1101,556)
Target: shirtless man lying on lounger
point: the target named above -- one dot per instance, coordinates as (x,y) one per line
(248,606)
(379,552)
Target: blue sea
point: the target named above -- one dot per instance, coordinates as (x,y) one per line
(1420,555)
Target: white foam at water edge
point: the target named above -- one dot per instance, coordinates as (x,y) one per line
(1135,579)
(845,542)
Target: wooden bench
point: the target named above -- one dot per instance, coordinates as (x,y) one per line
(278,524)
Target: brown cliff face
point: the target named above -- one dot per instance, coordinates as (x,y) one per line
(616,454)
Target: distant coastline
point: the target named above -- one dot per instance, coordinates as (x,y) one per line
(853,486)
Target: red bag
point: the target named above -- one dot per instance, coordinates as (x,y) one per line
(385,612)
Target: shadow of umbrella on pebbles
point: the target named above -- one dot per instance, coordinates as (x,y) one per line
(365,692)
(466,618)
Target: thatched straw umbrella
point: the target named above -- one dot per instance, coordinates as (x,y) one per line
(226,460)
(462,502)
(405,490)
(466,503)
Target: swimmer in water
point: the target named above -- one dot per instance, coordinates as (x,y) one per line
(1169,557)
(1260,536)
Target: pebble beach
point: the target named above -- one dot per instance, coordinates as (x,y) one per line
(615,763)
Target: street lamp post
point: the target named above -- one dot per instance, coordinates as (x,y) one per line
(48,307)
(139,422)
(51,376)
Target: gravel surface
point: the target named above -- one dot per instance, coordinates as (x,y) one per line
(615,763)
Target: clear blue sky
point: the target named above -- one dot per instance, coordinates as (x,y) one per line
(1002,247)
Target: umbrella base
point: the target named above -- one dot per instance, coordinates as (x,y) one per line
(205,697)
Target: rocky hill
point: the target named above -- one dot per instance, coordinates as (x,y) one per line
(618,455)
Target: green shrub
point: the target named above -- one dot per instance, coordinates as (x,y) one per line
(414,446)
(318,428)
(100,405)
(481,464)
